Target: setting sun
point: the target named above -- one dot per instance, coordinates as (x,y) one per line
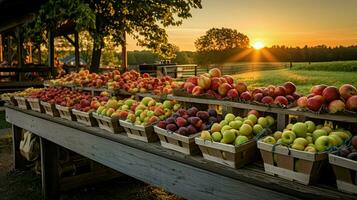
(258,45)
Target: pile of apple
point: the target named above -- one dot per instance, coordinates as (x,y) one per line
(117,108)
(134,82)
(190,121)
(92,103)
(279,95)
(214,84)
(350,153)
(330,97)
(237,130)
(148,111)
(306,136)
(25,93)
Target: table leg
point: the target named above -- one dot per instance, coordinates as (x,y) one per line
(49,167)
(19,161)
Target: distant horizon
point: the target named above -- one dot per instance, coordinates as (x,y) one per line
(285,23)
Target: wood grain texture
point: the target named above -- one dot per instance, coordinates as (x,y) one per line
(120,147)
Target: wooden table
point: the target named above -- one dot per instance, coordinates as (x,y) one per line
(191,177)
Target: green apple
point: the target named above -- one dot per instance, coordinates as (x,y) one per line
(236,131)
(318,133)
(311,149)
(223,123)
(216,136)
(166,104)
(319,126)
(310,126)
(337,140)
(308,134)
(288,137)
(341,134)
(245,129)
(309,139)
(104,112)
(300,129)
(225,127)
(257,128)
(150,113)
(239,118)
(327,129)
(205,135)
(324,142)
(124,107)
(263,122)
(228,136)
(301,141)
(277,135)
(177,106)
(279,141)
(241,139)
(269,140)
(270,119)
(248,121)
(252,118)
(215,128)
(138,112)
(235,124)
(229,117)
(100,109)
(289,126)
(298,146)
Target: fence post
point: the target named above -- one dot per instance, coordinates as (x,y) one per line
(195,70)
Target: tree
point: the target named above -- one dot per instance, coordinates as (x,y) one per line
(221,39)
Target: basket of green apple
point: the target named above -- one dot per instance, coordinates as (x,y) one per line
(232,142)
(108,115)
(178,132)
(300,151)
(344,164)
(139,125)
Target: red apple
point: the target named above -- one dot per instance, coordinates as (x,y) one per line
(315,103)
(271,90)
(336,106)
(190,88)
(330,93)
(347,90)
(204,82)
(224,88)
(215,72)
(290,98)
(318,89)
(254,112)
(241,87)
(197,90)
(257,90)
(229,79)
(302,102)
(232,93)
(246,96)
(281,100)
(290,87)
(267,100)
(279,91)
(351,103)
(258,96)
(193,79)
(215,83)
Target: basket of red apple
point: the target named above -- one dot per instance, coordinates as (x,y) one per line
(232,142)
(84,109)
(178,132)
(299,153)
(51,96)
(344,164)
(211,85)
(323,98)
(283,96)
(139,125)
(108,115)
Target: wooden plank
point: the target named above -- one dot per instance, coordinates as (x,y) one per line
(49,169)
(248,175)
(342,162)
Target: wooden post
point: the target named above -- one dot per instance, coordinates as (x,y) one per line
(195,70)
(20,48)
(9,59)
(30,52)
(124,55)
(1,49)
(51,53)
(19,161)
(76,51)
(49,167)
(39,54)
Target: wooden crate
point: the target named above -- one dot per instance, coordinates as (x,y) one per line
(177,142)
(10,100)
(107,123)
(85,118)
(143,133)
(228,154)
(22,103)
(50,109)
(35,104)
(346,173)
(300,166)
(66,112)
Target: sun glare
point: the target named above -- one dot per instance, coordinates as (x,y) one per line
(258,45)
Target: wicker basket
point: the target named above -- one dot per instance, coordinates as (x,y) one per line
(66,112)
(108,123)
(50,109)
(35,104)
(177,142)
(143,133)
(85,118)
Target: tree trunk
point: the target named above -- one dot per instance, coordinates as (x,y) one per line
(96,54)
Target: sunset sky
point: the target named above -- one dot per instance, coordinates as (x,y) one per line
(281,22)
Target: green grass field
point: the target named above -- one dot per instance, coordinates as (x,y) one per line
(346,66)
(304,79)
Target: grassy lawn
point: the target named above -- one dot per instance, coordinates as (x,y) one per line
(304,79)
(347,66)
